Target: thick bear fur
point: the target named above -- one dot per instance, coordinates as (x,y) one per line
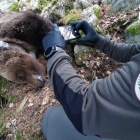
(26,30)
(25,26)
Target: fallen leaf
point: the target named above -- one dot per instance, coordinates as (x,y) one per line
(45,100)
(11,105)
(31,99)
(30,104)
(41,111)
(8,125)
(9,135)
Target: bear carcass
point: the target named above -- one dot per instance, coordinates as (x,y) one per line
(24,32)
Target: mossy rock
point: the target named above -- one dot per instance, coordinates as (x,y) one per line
(132,32)
(81,52)
(72,18)
(96,9)
(14,7)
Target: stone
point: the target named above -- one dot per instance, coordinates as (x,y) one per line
(132,32)
(6,4)
(81,4)
(81,52)
(122,5)
(91,15)
(106,2)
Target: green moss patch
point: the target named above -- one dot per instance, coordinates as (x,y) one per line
(97,11)
(75,17)
(133,29)
(15,7)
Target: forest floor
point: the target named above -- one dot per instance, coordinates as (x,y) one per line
(21,117)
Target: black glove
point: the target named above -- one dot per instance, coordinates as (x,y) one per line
(54,38)
(91,35)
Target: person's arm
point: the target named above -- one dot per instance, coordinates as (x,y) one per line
(109,108)
(118,51)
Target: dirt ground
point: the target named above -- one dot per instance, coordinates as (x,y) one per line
(25,124)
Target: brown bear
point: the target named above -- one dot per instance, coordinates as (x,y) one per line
(25,26)
(24,32)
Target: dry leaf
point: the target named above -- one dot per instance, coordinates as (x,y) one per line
(11,105)
(30,104)
(41,111)
(45,100)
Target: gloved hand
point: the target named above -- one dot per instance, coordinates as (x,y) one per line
(91,35)
(54,38)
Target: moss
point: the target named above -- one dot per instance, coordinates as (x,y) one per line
(53,2)
(15,7)
(97,11)
(19,135)
(67,12)
(32,126)
(133,29)
(75,17)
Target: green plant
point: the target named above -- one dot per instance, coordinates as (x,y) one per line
(13,99)
(32,126)
(19,135)
(75,17)
(56,7)
(15,7)
(67,12)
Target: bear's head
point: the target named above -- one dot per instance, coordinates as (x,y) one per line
(18,66)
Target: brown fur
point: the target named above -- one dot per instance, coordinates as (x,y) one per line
(27,30)
(25,26)
(16,65)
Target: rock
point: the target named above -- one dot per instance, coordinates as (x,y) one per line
(81,4)
(122,5)
(46,11)
(1,13)
(54,18)
(106,2)
(8,125)
(11,105)
(6,4)
(91,15)
(80,52)
(132,32)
